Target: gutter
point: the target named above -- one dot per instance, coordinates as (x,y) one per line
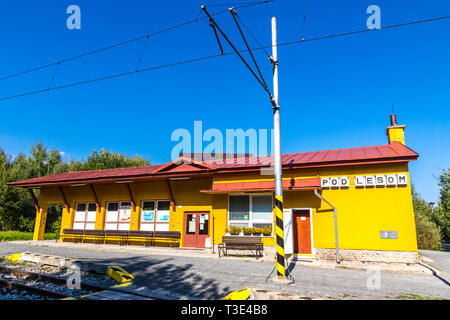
(338,260)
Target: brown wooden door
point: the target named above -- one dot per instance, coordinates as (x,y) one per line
(196,229)
(302,231)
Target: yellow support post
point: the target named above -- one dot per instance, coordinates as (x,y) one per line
(39,225)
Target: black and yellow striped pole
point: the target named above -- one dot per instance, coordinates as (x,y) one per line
(279,230)
(281,269)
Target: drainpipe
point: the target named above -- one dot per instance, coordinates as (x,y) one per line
(338,260)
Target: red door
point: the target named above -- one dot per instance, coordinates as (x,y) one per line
(302,231)
(196,229)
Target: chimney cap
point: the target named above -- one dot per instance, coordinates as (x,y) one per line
(393,120)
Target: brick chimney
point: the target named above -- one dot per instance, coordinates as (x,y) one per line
(395,132)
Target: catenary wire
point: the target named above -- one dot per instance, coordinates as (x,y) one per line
(224,54)
(122,43)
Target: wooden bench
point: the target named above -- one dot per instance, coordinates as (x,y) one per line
(147,236)
(75,234)
(119,235)
(241,243)
(170,237)
(97,235)
(123,237)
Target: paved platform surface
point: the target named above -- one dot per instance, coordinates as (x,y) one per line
(193,274)
(441,260)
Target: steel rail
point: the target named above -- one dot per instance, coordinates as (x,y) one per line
(83,285)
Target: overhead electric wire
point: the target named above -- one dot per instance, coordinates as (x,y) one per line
(142,53)
(122,43)
(221,55)
(53,75)
(234,14)
(261,82)
(252,35)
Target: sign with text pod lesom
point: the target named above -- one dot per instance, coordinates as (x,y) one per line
(383,180)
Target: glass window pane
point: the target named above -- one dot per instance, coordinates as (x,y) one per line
(91,216)
(80,216)
(81,207)
(191,224)
(163,205)
(261,225)
(239,224)
(125,212)
(148,205)
(203,224)
(92,207)
(110,226)
(148,216)
(147,227)
(239,208)
(163,216)
(162,227)
(124,226)
(262,208)
(111,216)
(78,225)
(90,226)
(113,206)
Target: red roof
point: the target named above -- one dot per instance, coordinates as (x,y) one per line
(394,152)
(292,184)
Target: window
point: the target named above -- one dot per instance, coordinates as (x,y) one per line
(155,215)
(250,211)
(118,216)
(85,215)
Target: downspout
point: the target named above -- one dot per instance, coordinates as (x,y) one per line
(338,260)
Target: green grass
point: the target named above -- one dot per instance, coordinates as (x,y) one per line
(19,235)
(412,296)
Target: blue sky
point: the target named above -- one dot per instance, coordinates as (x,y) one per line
(334,93)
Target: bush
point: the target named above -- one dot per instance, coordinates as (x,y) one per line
(234,230)
(25,224)
(246,231)
(267,231)
(428,234)
(256,231)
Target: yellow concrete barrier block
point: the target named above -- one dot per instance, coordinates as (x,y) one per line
(14,257)
(242,294)
(119,274)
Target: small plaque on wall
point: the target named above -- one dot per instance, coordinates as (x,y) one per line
(388,235)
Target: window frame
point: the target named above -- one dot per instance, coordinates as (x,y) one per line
(155,217)
(85,221)
(250,222)
(117,222)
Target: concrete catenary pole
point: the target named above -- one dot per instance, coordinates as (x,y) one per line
(281,269)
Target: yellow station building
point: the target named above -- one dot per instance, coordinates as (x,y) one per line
(362,193)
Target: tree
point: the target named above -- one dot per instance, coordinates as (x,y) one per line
(108,160)
(427,232)
(442,214)
(17,210)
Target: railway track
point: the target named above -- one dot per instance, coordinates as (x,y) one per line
(38,286)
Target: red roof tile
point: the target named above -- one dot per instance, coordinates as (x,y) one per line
(394,152)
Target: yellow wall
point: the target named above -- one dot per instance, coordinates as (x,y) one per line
(362,213)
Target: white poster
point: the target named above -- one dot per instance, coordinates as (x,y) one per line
(288,232)
(124,213)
